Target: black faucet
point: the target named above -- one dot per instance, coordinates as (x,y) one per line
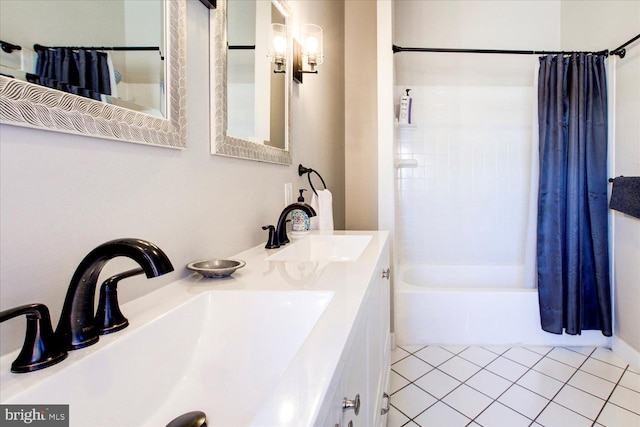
(281,228)
(40,348)
(109,318)
(77,328)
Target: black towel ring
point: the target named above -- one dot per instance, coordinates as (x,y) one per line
(302,170)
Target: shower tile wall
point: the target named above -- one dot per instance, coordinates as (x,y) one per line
(466,201)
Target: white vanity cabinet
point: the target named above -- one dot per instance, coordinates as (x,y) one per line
(363,377)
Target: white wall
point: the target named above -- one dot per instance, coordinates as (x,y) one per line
(63,22)
(62,195)
(466,202)
(616,22)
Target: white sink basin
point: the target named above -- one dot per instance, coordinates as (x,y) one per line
(207,354)
(323,248)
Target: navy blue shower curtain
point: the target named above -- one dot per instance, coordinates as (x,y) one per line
(80,71)
(573,253)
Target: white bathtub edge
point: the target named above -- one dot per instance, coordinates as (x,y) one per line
(477,317)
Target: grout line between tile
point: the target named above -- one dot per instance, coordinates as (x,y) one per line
(512,383)
(611,394)
(501,394)
(410,419)
(563,386)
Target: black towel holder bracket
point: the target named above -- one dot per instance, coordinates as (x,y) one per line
(612,179)
(302,170)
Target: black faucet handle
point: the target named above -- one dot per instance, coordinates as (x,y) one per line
(40,348)
(272,242)
(109,318)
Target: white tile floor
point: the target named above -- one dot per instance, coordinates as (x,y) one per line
(451,386)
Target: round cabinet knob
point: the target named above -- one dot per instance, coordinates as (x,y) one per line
(386,273)
(351,404)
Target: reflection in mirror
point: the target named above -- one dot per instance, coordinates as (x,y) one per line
(126,54)
(278,95)
(251,100)
(56,48)
(255,95)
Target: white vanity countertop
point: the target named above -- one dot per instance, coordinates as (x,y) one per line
(301,390)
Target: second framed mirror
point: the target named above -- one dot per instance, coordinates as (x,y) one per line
(251,80)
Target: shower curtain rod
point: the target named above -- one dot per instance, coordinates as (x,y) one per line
(38,47)
(397,49)
(620,51)
(119,48)
(9,47)
(241,47)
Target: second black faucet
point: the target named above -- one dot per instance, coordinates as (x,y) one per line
(278,236)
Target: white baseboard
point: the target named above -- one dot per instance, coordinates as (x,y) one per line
(625,351)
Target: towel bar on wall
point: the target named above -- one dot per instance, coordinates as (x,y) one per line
(302,170)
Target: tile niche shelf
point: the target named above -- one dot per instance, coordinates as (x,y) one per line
(410,126)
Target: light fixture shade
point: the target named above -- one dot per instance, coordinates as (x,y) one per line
(312,48)
(278,45)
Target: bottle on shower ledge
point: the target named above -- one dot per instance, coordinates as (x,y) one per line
(405,109)
(300,223)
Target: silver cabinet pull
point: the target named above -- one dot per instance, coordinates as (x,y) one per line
(383,411)
(386,273)
(351,404)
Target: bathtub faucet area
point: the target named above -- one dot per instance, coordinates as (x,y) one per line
(77,327)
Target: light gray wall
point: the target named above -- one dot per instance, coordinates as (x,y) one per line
(361,115)
(626,228)
(62,195)
(319,105)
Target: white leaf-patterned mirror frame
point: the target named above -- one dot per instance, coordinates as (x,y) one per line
(221,143)
(30,105)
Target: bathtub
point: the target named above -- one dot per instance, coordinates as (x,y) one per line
(472,305)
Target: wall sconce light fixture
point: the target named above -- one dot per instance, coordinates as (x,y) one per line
(278,47)
(310,51)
